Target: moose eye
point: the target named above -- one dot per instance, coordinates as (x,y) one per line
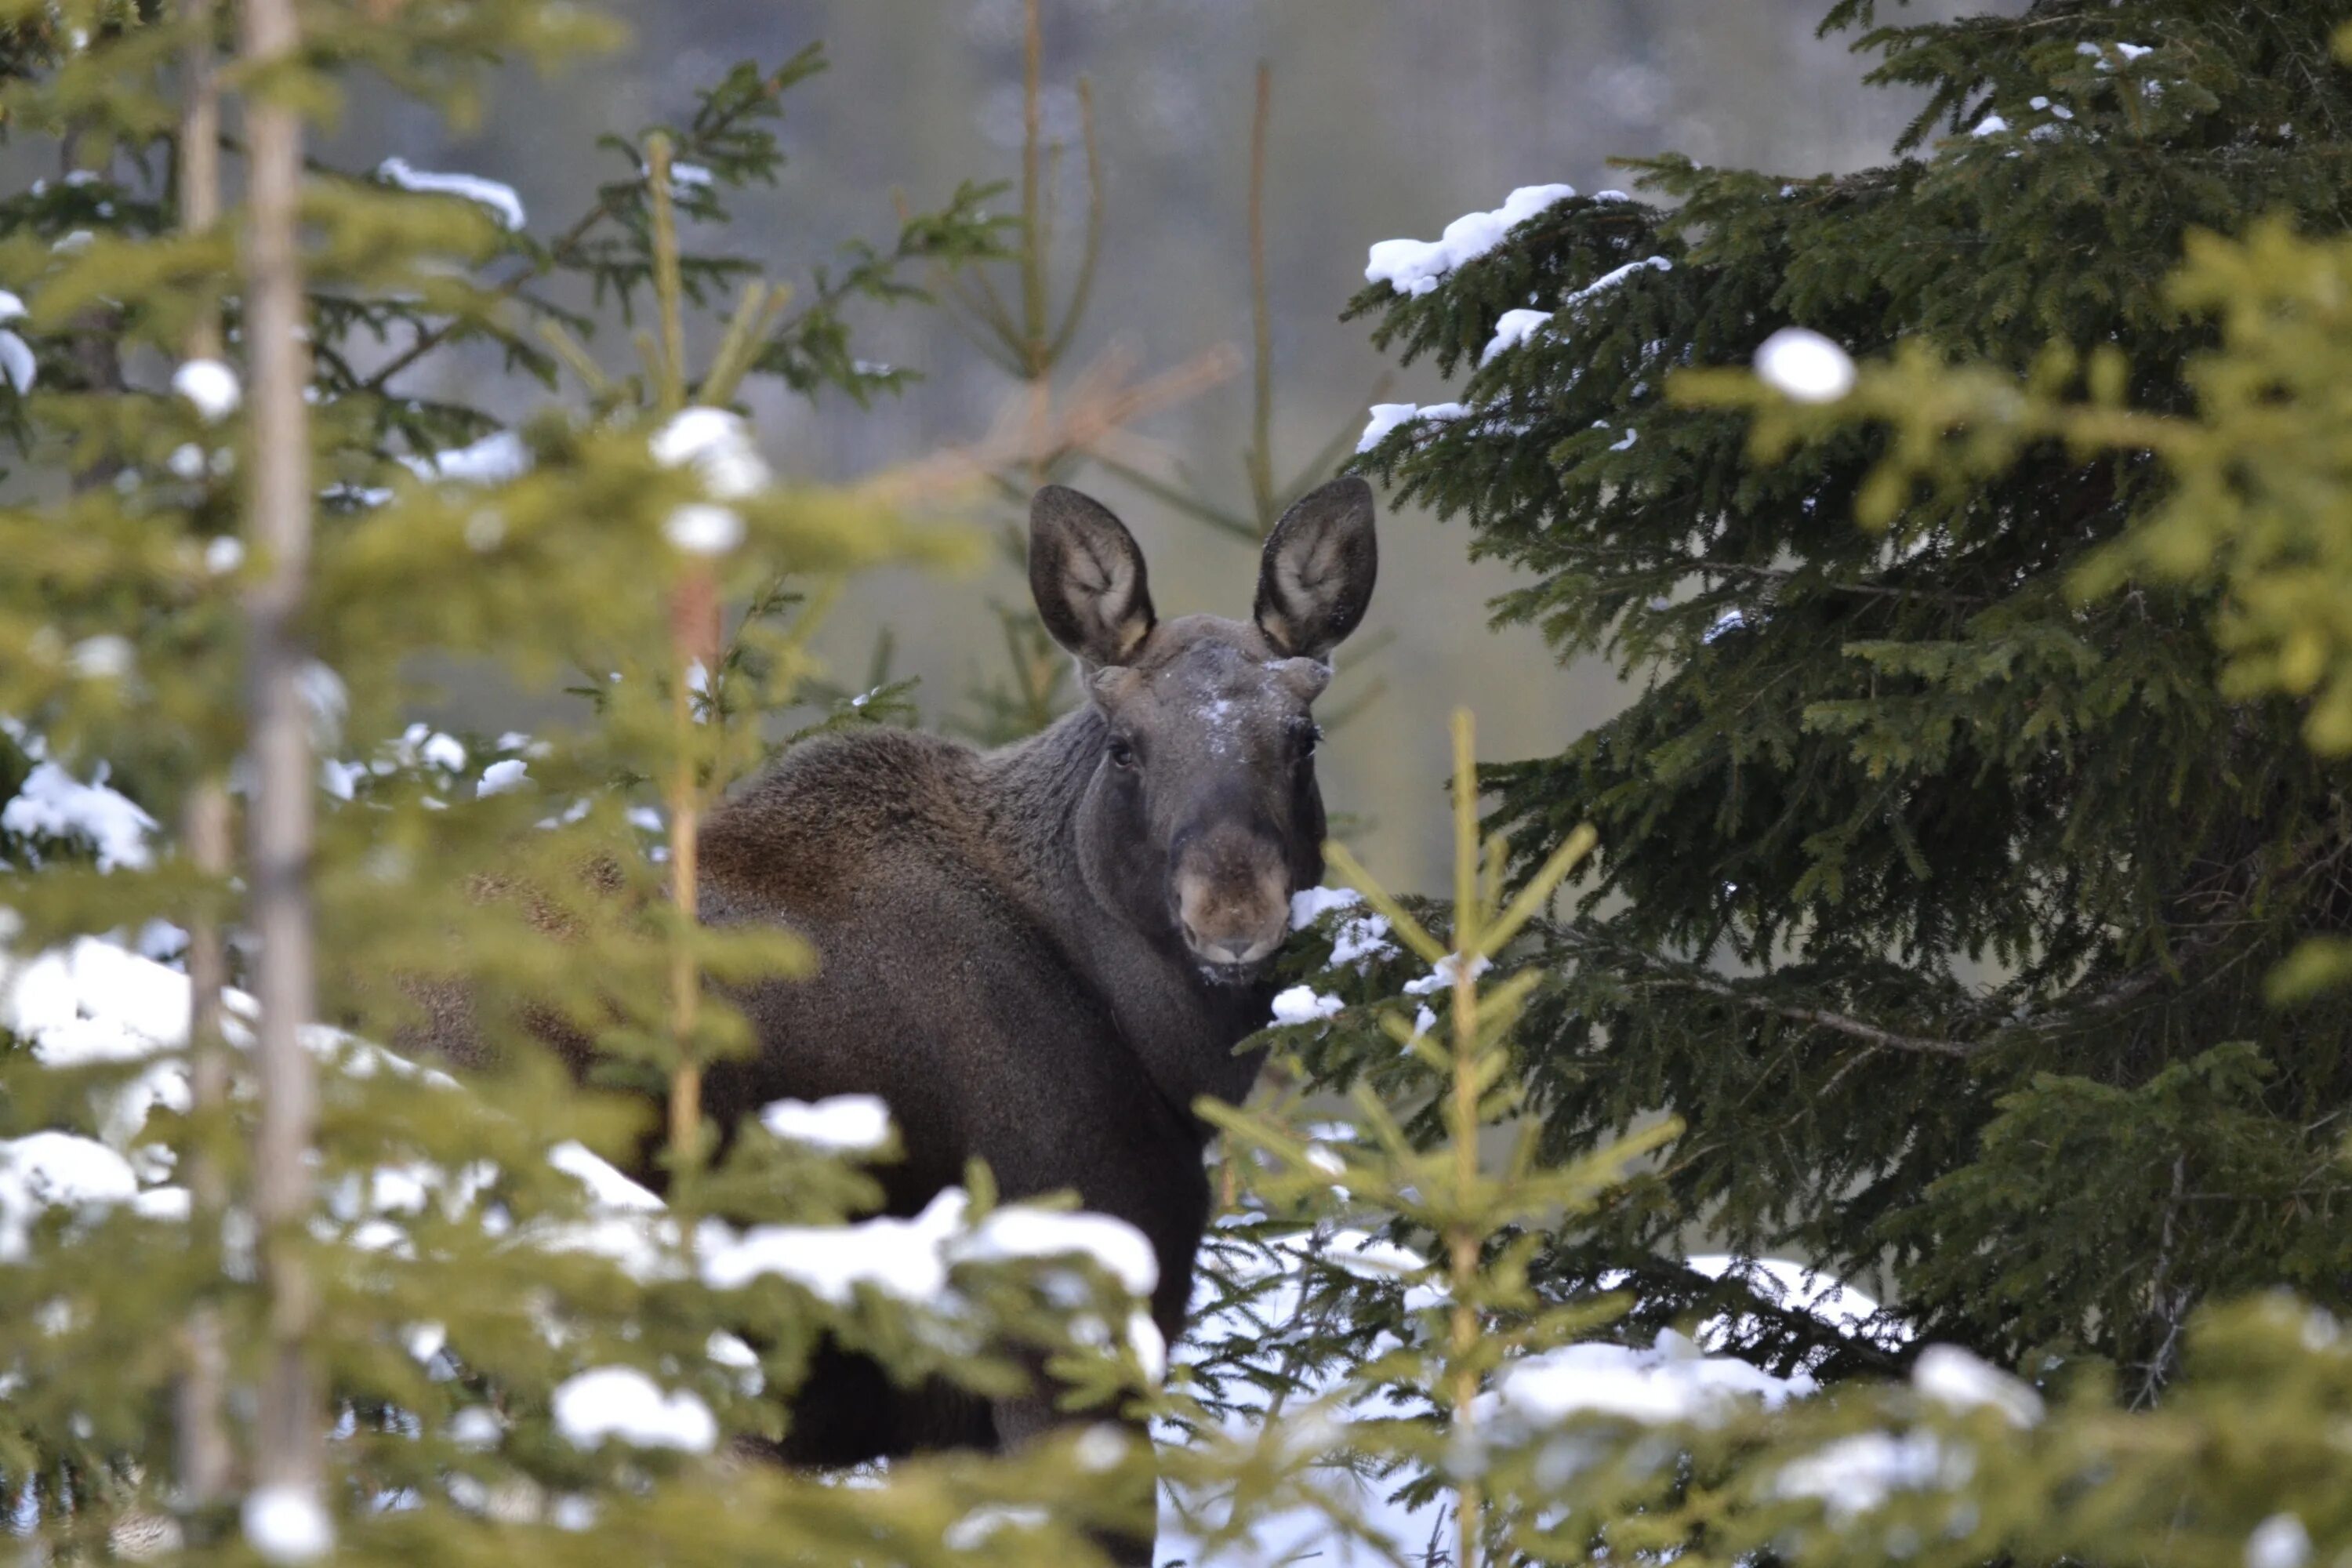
(1123,755)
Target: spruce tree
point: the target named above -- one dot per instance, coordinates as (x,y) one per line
(1937,901)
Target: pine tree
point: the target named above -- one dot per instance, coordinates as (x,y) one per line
(1935,901)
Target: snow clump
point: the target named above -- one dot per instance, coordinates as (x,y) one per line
(717,445)
(286,1523)
(1444,973)
(210,387)
(1418,266)
(16,355)
(1671,1380)
(1854,1475)
(2279,1541)
(839,1124)
(56,1170)
(622,1402)
(1959,1381)
(1800,363)
(492,460)
(53,804)
(1310,904)
(1303,1005)
(1512,329)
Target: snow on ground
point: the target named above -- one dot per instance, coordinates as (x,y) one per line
(1418,266)
(1671,1380)
(499,199)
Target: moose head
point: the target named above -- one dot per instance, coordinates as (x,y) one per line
(1201,815)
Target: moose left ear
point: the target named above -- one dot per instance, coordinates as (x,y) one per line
(1316,576)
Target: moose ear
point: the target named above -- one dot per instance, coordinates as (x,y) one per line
(1087,577)
(1316,576)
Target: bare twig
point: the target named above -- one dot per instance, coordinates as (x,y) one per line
(1260,458)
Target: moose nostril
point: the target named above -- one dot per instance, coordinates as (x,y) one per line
(1217,949)
(1227,948)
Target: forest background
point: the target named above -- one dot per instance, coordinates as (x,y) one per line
(1386,121)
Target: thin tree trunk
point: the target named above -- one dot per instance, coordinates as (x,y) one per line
(287,1437)
(207,1459)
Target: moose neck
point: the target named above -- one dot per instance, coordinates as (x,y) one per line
(1182,1026)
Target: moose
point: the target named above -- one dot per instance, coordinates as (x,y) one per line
(1043,956)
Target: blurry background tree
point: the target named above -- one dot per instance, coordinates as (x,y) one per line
(1385,121)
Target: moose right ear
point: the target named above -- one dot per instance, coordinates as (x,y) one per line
(1315,576)
(1086,575)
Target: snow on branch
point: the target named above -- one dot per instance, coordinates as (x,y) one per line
(1419,266)
(499,199)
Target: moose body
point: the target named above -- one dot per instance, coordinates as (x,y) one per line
(1043,956)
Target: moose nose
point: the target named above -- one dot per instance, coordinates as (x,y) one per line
(1233,900)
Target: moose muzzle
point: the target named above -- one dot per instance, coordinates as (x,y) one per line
(1233,897)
